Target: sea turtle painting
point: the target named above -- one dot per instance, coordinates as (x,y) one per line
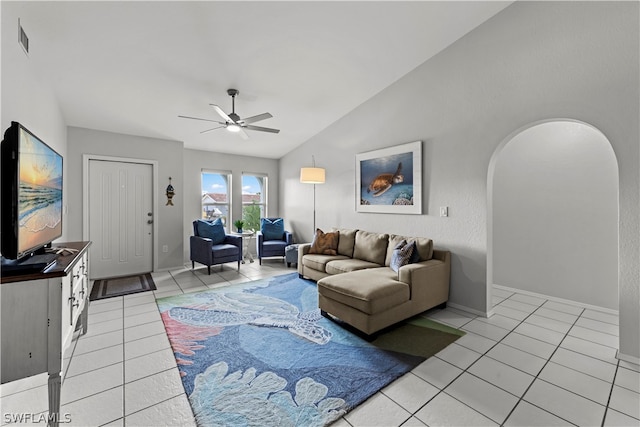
(226,309)
(384,181)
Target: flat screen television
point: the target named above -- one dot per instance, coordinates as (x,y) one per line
(30,193)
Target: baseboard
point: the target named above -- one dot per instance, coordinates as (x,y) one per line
(627,358)
(470,310)
(560,300)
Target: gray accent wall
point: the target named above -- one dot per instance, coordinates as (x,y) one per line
(167,154)
(195,161)
(533,61)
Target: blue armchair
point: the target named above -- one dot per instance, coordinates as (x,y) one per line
(205,251)
(272,238)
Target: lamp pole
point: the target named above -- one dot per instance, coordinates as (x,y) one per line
(313,175)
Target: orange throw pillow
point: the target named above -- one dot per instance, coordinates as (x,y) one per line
(325,243)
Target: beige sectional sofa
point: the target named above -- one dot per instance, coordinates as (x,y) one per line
(358,286)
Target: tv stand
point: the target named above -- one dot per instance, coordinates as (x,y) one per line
(33,264)
(38,315)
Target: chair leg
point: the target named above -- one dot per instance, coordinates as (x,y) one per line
(260,261)
(193,265)
(238,266)
(209,270)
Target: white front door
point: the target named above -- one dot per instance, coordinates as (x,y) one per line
(120,218)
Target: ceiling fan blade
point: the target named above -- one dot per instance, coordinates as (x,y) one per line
(198,118)
(257,118)
(222,114)
(209,130)
(261,129)
(243,134)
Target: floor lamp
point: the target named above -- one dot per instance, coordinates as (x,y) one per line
(312,175)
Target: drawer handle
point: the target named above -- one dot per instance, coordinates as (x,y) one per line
(72,298)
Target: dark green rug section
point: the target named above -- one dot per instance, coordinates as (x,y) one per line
(118,286)
(419,337)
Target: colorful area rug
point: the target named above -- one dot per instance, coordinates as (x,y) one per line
(118,286)
(260,353)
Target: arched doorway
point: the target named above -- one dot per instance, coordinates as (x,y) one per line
(552,213)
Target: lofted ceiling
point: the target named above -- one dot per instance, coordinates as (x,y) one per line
(133,67)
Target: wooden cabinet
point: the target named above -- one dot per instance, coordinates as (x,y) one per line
(39,313)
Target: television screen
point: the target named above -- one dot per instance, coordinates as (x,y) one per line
(39,193)
(31,193)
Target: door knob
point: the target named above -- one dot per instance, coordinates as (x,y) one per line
(150,221)
(149,214)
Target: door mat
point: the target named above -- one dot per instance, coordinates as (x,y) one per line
(118,286)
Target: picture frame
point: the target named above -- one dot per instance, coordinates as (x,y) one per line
(389,180)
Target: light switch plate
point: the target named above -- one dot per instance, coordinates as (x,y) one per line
(444,211)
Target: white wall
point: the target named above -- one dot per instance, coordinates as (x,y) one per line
(26,95)
(555,214)
(533,61)
(168,154)
(195,161)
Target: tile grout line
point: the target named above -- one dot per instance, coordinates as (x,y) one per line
(613,382)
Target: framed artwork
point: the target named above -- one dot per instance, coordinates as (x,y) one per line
(389,180)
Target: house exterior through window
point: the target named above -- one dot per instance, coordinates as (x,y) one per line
(216,196)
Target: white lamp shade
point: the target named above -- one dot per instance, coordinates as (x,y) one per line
(312,175)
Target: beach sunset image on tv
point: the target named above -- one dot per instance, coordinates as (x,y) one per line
(40,193)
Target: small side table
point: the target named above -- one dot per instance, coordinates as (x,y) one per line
(291,254)
(247,238)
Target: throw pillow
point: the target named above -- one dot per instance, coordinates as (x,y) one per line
(415,255)
(401,255)
(272,228)
(325,243)
(211,230)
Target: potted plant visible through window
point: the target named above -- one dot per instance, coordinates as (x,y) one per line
(239,224)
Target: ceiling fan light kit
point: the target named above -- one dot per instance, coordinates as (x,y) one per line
(233,122)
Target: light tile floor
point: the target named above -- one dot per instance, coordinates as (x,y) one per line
(535,362)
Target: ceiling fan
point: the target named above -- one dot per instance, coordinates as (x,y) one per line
(232,122)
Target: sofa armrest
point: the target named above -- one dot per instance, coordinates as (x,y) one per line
(428,280)
(200,249)
(288,237)
(303,249)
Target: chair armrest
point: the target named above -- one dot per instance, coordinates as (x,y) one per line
(201,249)
(230,239)
(259,241)
(288,237)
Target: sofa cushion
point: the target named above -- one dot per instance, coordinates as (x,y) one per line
(401,255)
(272,228)
(365,290)
(371,247)
(213,230)
(346,265)
(423,244)
(319,262)
(325,243)
(346,241)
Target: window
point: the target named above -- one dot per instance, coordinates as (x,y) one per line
(254,200)
(216,196)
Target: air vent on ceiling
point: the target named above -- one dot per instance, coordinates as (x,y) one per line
(22,38)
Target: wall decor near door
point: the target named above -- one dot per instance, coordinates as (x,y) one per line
(389,180)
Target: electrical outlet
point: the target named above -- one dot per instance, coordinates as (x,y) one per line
(165,248)
(444,211)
